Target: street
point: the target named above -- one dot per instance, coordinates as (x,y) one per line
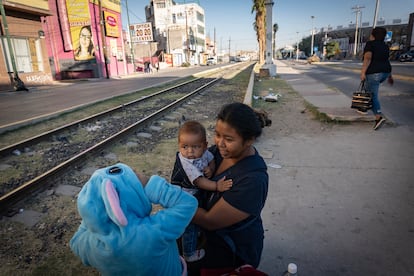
(397,101)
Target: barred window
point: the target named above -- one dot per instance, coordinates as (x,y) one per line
(27,54)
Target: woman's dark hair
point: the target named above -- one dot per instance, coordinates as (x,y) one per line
(379,33)
(90,46)
(242,118)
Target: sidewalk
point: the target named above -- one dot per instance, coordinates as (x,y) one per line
(340,199)
(334,104)
(21,108)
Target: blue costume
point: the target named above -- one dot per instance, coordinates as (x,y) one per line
(119,235)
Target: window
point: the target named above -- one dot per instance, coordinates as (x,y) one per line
(200,29)
(200,16)
(160,4)
(27,54)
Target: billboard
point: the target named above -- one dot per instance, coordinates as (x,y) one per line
(80,29)
(141,32)
(111,24)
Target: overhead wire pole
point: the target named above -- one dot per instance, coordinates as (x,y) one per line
(130,38)
(375,14)
(297,46)
(103,37)
(357,12)
(17,82)
(312,17)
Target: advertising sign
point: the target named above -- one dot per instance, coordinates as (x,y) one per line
(111,24)
(388,37)
(80,29)
(141,32)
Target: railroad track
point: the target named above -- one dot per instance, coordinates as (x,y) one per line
(47,155)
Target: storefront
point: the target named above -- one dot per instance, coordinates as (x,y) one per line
(23,51)
(85,39)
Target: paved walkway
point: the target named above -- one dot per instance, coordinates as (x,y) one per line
(339,202)
(334,104)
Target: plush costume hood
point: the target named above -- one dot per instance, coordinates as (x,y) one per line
(119,235)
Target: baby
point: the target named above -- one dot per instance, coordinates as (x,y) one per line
(193,164)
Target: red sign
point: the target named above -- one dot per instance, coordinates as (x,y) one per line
(111,21)
(111,24)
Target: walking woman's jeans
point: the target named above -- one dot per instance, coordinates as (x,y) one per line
(373,82)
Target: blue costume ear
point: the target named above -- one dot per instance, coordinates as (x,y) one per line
(112,205)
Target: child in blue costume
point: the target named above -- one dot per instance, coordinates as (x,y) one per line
(193,164)
(119,235)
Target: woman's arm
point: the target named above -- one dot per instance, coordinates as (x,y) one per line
(221,215)
(365,64)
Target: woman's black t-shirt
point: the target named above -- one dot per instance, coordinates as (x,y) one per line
(248,194)
(380,57)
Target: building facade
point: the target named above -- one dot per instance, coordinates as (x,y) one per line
(85,39)
(179,30)
(23,50)
(47,40)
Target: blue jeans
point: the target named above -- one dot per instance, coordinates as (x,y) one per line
(189,240)
(373,82)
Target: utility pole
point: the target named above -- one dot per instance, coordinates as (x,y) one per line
(229,48)
(376,14)
(312,17)
(130,38)
(269,65)
(17,82)
(186,37)
(104,47)
(297,46)
(214,49)
(357,12)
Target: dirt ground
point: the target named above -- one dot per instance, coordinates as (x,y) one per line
(41,248)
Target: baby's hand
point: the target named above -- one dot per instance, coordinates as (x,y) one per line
(223,184)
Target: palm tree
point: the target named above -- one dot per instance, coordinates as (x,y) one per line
(275,29)
(260,26)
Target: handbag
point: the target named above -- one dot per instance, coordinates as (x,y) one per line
(362,98)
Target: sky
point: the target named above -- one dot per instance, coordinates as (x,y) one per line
(232,20)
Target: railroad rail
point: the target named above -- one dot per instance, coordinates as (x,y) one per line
(126,115)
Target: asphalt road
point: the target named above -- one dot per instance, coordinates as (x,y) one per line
(397,101)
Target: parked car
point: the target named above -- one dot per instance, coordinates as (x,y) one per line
(211,61)
(408,56)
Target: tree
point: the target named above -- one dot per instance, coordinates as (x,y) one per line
(260,26)
(332,49)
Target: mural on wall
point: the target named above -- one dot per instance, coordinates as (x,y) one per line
(80,29)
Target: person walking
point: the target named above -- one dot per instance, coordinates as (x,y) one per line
(376,68)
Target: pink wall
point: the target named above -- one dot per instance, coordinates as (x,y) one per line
(62,61)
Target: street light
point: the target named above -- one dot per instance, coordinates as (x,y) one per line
(297,46)
(376,14)
(312,17)
(357,13)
